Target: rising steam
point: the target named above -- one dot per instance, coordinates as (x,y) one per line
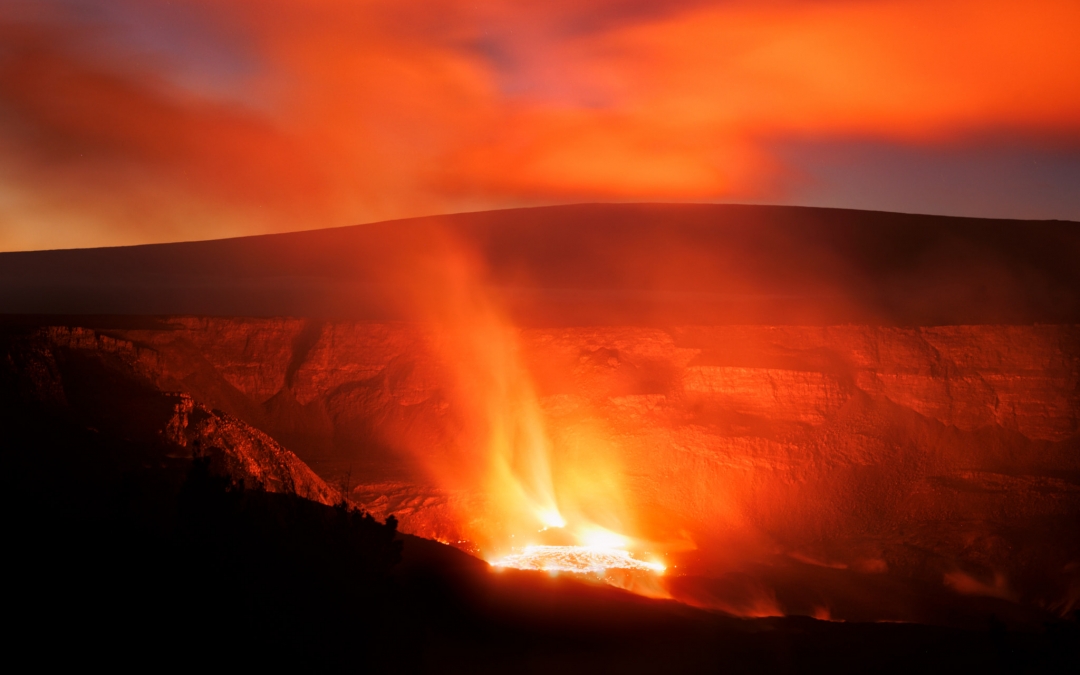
(564,504)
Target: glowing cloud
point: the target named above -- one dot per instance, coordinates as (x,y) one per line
(149,122)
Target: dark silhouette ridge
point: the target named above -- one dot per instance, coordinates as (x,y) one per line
(595,264)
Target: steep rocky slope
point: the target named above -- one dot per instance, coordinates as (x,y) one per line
(107,385)
(946,455)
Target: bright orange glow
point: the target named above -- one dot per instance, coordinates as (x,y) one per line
(576,559)
(551,486)
(350,112)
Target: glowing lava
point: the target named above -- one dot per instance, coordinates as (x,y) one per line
(579,559)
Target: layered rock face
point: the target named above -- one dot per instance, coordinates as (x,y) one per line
(108,383)
(946,455)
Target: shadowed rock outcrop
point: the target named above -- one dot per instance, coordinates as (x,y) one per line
(113,386)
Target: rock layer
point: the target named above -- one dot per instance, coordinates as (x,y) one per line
(120,389)
(948,455)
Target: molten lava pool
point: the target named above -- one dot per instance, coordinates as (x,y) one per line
(576,559)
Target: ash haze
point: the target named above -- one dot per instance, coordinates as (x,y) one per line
(127,122)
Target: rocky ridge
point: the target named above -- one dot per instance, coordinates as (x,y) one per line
(52,366)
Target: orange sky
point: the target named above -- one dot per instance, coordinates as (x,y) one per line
(127,122)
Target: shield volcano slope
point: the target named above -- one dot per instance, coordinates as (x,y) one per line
(595,264)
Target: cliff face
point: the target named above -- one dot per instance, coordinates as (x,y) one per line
(949,455)
(803,435)
(1015,378)
(107,384)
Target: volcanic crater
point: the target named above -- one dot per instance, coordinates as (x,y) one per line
(856,431)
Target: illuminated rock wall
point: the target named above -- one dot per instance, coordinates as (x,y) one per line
(1015,378)
(948,455)
(828,442)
